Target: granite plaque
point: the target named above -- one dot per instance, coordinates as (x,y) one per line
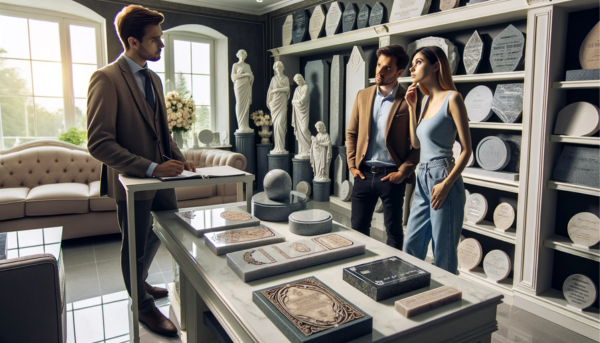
(469,254)
(578,119)
(317,22)
(504,216)
(340,174)
(362,20)
(386,278)
(300,26)
(493,153)
(473,52)
(304,188)
(584,229)
(200,222)
(423,302)
(310,222)
(583,75)
(405,9)
(349,18)
(448,4)
(288,26)
(378,14)
(316,75)
(514,143)
(224,242)
(308,311)
(497,265)
(507,51)
(578,165)
(580,291)
(356,80)
(334,19)
(475,208)
(589,52)
(346,190)
(508,102)
(446,45)
(336,101)
(479,104)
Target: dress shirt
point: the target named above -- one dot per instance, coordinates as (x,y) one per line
(377,154)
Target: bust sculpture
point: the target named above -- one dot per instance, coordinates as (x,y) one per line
(320,153)
(242,78)
(300,112)
(277,98)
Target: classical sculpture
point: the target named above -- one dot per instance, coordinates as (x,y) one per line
(320,153)
(242,78)
(277,98)
(300,111)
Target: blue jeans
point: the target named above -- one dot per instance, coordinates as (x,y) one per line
(442,225)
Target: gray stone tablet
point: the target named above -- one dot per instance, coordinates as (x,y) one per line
(493,153)
(316,23)
(200,222)
(469,254)
(333,19)
(473,52)
(378,14)
(446,45)
(578,119)
(580,291)
(508,102)
(304,188)
(405,9)
(584,229)
(508,49)
(475,208)
(340,174)
(286,35)
(316,74)
(479,104)
(362,20)
(426,301)
(277,211)
(357,79)
(578,165)
(448,4)
(277,184)
(224,242)
(300,27)
(349,18)
(310,222)
(336,101)
(589,52)
(497,265)
(346,191)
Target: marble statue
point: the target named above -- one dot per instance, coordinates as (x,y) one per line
(320,153)
(242,78)
(277,98)
(300,114)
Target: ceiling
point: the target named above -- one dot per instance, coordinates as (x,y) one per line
(242,6)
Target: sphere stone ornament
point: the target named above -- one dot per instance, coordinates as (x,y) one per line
(277,184)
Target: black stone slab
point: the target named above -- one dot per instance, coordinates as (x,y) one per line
(300,27)
(363,16)
(386,278)
(578,165)
(378,15)
(349,18)
(514,142)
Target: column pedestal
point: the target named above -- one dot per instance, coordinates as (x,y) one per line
(280,162)
(321,190)
(262,164)
(302,172)
(244,144)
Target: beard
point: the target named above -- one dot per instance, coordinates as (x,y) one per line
(384,81)
(148,56)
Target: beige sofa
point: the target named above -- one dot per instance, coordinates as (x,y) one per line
(53,183)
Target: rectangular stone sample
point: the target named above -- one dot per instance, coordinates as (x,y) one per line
(285,257)
(578,165)
(356,79)
(316,74)
(386,278)
(336,102)
(419,303)
(224,242)
(200,222)
(306,310)
(583,75)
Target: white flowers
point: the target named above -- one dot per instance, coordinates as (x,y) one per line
(260,118)
(180,112)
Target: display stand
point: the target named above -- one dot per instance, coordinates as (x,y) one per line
(262,164)
(245,145)
(279,162)
(302,171)
(321,190)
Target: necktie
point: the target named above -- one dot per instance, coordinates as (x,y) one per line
(148,89)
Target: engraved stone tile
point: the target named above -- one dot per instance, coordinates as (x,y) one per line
(363,16)
(589,52)
(336,102)
(356,79)
(584,229)
(317,22)
(580,291)
(578,165)
(504,216)
(349,18)
(316,74)
(423,302)
(493,153)
(300,26)
(287,30)
(508,102)
(333,19)
(479,104)
(340,174)
(508,49)
(405,9)
(473,53)
(448,4)
(446,45)
(200,222)
(578,119)
(475,208)
(497,265)
(378,14)
(224,242)
(469,254)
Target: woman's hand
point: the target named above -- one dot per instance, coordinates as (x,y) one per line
(439,193)
(411,96)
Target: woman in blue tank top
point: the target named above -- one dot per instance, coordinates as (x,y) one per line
(438,207)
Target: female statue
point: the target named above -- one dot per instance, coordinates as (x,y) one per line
(277,98)
(300,111)
(320,153)
(242,78)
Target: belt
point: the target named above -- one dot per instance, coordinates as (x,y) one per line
(445,162)
(377,170)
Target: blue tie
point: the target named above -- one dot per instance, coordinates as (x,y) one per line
(148,89)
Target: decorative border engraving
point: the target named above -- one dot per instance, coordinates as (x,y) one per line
(355,60)
(300,247)
(333,241)
(250,260)
(235,216)
(243,235)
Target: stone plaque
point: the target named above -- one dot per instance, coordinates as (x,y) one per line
(446,45)
(334,19)
(304,188)
(223,242)
(356,79)
(479,104)
(448,4)
(288,25)
(349,18)
(504,216)
(316,75)
(582,75)
(578,165)
(580,291)
(493,153)
(218,219)
(405,9)
(423,302)
(508,102)
(235,216)
(497,265)
(378,14)
(508,49)
(336,101)
(346,190)
(317,22)
(584,229)
(310,222)
(363,16)
(473,52)
(475,208)
(578,119)
(300,26)
(340,174)
(589,53)
(469,253)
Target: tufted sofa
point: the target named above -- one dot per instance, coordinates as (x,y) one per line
(53,183)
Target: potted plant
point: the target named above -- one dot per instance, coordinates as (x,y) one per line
(180,115)
(264,121)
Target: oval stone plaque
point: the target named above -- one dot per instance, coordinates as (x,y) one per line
(469,253)
(317,22)
(286,35)
(504,216)
(493,153)
(346,190)
(304,188)
(475,208)
(580,291)
(578,119)
(589,53)
(349,18)
(497,265)
(584,229)
(479,104)
(363,16)
(333,20)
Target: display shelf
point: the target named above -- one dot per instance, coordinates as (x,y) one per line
(576,84)
(488,182)
(564,244)
(497,126)
(489,229)
(575,140)
(569,187)
(488,77)
(556,298)
(477,274)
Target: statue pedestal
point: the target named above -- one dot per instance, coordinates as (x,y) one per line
(321,190)
(302,172)
(280,162)
(262,164)
(244,144)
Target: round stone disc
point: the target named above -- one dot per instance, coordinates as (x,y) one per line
(346,191)
(479,104)
(475,208)
(206,136)
(504,216)
(497,265)
(310,216)
(578,119)
(580,291)
(584,229)
(469,253)
(304,187)
(493,153)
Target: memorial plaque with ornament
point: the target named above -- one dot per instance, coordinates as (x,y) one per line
(334,18)
(493,153)
(406,9)
(469,254)
(578,165)
(497,265)
(507,51)
(349,18)
(300,26)
(580,291)
(584,229)
(504,216)
(475,208)
(479,104)
(316,24)
(378,15)
(362,20)
(201,222)
(473,53)
(578,119)
(287,29)
(508,102)
(589,58)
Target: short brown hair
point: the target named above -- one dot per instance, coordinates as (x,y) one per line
(132,22)
(394,51)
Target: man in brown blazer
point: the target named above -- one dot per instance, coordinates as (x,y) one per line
(128,132)
(378,147)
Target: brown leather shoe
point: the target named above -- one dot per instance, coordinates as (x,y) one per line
(156,292)
(158,323)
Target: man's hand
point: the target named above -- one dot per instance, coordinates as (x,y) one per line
(169,168)
(396,177)
(355,172)
(189,166)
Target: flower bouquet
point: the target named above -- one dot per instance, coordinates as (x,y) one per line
(180,115)
(264,121)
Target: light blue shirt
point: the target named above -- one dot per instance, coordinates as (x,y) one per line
(377,154)
(141,81)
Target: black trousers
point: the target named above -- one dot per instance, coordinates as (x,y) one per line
(364,198)
(146,241)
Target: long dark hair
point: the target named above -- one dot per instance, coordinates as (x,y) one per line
(435,54)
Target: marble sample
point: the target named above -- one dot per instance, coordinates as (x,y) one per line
(493,153)
(386,278)
(578,165)
(379,206)
(286,35)
(378,14)
(479,104)
(300,26)
(277,184)
(423,302)
(206,137)
(364,14)
(448,4)
(356,79)
(285,257)
(582,75)
(446,45)
(349,18)
(579,119)
(278,95)
(469,254)
(301,117)
(336,101)
(473,52)
(497,265)
(508,102)
(475,208)
(346,190)
(584,229)
(243,79)
(508,50)
(406,9)
(224,242)
(304,188)
(580,291)
(504,216)
(334,18)
(514,143)
(316,74)
(307,310)
(316,24)
(320,154)
(200,222)
(277,211)
(310,222)
(321,190)
(340,174)
(589,52)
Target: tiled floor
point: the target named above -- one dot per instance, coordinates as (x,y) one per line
(97,300)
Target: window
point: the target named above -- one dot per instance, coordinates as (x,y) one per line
(45,66)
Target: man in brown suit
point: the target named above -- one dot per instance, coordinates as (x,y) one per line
(378,147)
(128,132)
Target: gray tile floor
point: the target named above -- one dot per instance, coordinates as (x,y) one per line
(96,296)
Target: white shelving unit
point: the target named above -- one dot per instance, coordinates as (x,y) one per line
(477,274)
(564,244)
(575,140)
(503,185)
(496,126)
(489,229)
(488,77)
(569,187)
(575,84)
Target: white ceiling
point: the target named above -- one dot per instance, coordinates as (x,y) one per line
(242,6)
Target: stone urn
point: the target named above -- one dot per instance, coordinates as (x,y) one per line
(265,134)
